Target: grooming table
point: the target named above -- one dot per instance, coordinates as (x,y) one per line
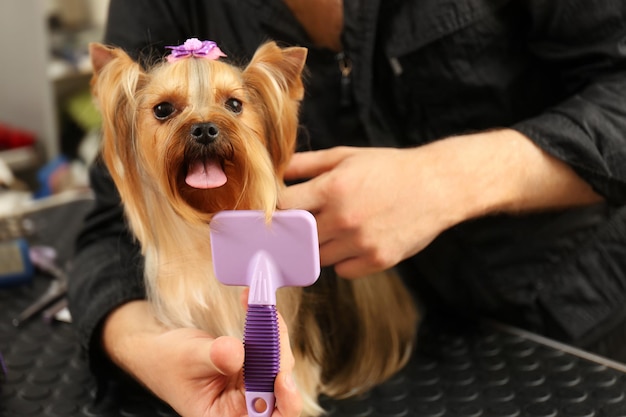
(490,371)
(479,369)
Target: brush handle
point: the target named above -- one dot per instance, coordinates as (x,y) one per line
(262,358)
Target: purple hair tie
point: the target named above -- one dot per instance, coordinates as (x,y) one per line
(195,48)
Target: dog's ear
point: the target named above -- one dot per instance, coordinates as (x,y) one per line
(115,82)
(100,55)
(284,65)
(101,58)
(274,79)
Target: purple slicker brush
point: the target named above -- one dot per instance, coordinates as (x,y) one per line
(249,251)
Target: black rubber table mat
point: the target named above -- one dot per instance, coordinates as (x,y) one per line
(481,370)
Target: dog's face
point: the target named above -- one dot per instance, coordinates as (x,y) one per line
(199,134)
(204,135)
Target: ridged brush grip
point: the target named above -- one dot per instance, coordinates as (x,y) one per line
(262,348)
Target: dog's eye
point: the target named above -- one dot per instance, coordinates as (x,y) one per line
(234,105)
(163,110)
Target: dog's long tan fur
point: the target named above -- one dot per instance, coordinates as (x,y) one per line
(346,335)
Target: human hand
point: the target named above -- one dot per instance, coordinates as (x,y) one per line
(378,206)
(196,374)
(374,206)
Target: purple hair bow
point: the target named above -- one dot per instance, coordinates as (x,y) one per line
(195,48)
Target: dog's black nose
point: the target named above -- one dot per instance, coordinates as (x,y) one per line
(204,133)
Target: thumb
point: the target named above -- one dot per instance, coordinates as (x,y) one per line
(202,355)
(226,355)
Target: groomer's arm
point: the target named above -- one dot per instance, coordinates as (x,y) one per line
(378,206)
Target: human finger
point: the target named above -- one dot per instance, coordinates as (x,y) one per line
(243,298)
(347,262)
(286,355)
(303,196)
(354,267)
(288,400)
(226,355)
(313,163)
(333,249)
(351,262)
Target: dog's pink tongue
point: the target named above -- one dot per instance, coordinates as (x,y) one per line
(205,174)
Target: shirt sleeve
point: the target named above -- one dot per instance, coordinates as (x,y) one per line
(107,269)
(586,48)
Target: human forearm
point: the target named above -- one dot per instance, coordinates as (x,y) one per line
(503,171)
(127,331)
(378,206)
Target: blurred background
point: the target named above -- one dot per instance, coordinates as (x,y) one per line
(48,124)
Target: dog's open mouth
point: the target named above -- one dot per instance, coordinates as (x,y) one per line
(205,174)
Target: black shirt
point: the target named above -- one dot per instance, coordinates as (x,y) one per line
(419,71)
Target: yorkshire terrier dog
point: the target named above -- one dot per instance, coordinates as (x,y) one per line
(194,135)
